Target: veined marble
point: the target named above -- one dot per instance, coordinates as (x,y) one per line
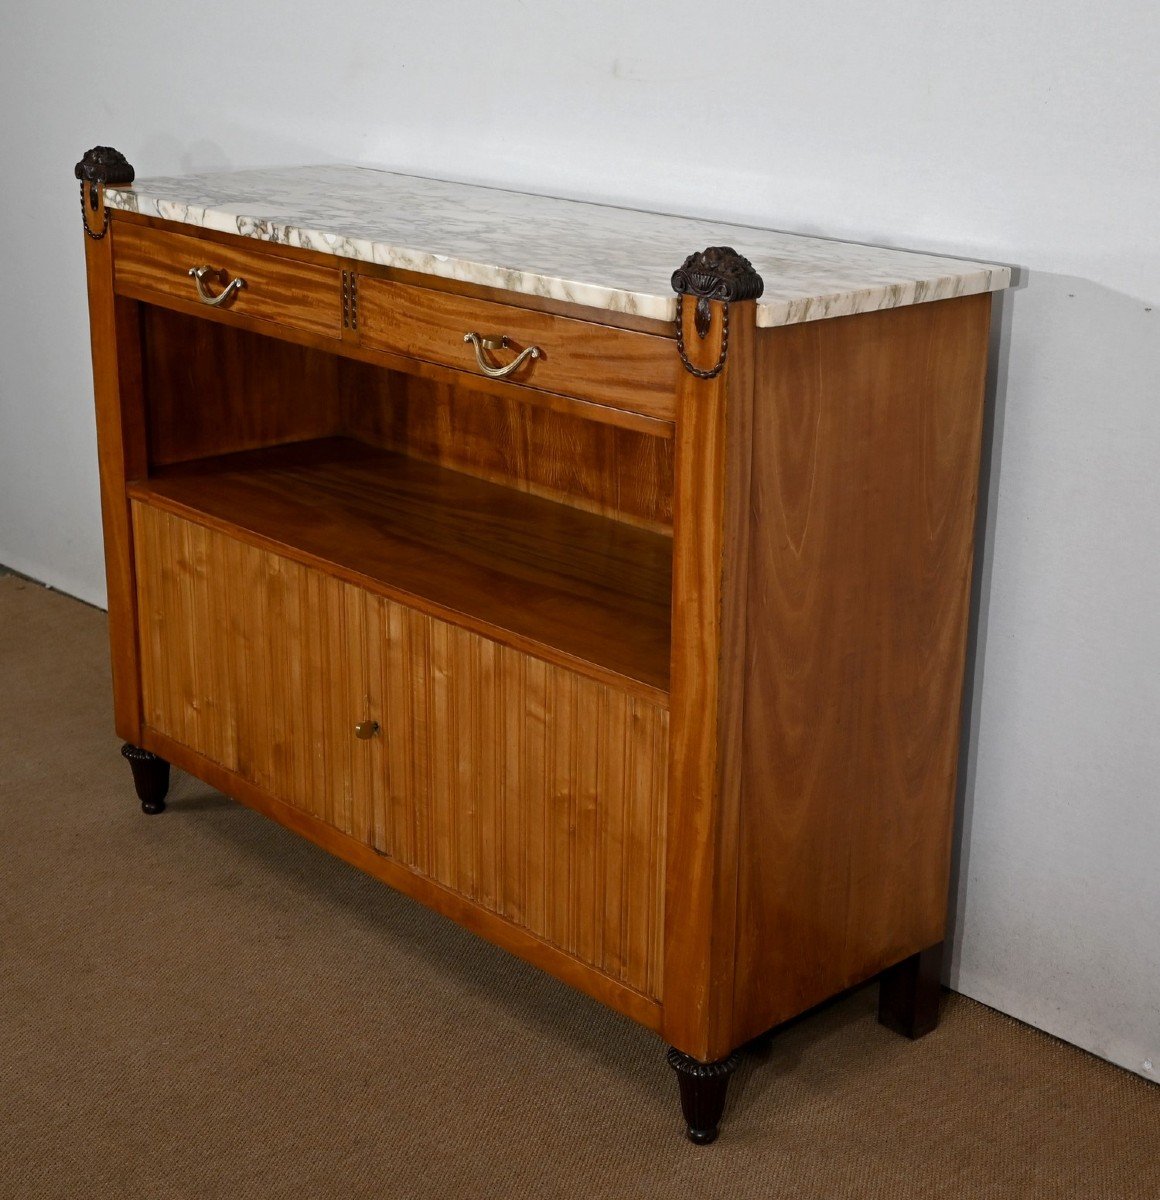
(617,259)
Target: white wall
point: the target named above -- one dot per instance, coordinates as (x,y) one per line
(1021,132)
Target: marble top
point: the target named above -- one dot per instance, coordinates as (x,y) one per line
(617,259)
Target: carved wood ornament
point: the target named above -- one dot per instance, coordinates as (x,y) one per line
(100,166)
(716,273)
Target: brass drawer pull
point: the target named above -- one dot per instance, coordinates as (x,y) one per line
(498,343)
(365,730)
(200,274)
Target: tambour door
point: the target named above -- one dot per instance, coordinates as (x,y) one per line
(256,662)
(535,793)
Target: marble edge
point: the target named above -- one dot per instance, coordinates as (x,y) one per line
(976,279)
(772,311)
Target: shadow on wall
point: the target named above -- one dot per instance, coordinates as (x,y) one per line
(1055,901)
(164,155)
(998,376)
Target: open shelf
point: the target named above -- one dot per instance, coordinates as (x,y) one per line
(576,588)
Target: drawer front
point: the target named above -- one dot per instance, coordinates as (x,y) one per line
(620,368)
(535,793)
(152,263)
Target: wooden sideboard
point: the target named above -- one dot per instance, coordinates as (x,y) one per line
(623,625)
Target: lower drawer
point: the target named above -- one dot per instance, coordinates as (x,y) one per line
(535,793)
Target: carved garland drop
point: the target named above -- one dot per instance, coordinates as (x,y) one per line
(717,273)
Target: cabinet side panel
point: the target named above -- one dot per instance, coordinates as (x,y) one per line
(866,457)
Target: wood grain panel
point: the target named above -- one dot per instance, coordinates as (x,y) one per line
(614,367)
(153,264)
(866,454)
(490,777)
(620,473)
(212,389)
(587,592)
(710,561)
(121,450)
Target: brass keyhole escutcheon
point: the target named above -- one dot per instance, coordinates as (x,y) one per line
(365,730)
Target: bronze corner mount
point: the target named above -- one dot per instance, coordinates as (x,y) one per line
(718,273)
(100,166)
(103,164)
(715,273)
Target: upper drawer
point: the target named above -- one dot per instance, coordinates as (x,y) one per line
(620,368)
(155,262)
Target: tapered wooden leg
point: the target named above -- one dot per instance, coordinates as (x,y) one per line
(703,1088)
(909,993)
(150,777)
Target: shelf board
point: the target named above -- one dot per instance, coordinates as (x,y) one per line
(577,589)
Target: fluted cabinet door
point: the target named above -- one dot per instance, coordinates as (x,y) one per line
(533,792)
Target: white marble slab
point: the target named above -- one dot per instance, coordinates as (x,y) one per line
(612,258)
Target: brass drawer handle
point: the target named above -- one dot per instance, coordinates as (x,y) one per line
(366,730)
(499,343)
(200,274)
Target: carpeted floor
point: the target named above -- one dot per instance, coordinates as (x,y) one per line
(202,1005)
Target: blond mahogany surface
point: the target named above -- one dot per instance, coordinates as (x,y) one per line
(584,591)
(865,436)
(614,367)
(526,789)
(667,670)
(709,558)
(620,473)
(283,291)
(121,455)
(214,389)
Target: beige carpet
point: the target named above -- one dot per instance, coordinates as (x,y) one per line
(201,1005)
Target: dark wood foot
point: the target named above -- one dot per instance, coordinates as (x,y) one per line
(150,777)
(703,1087)
(909,993)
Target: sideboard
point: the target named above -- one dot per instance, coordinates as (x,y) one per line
(598,578)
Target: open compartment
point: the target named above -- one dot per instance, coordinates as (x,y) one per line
(545,530)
